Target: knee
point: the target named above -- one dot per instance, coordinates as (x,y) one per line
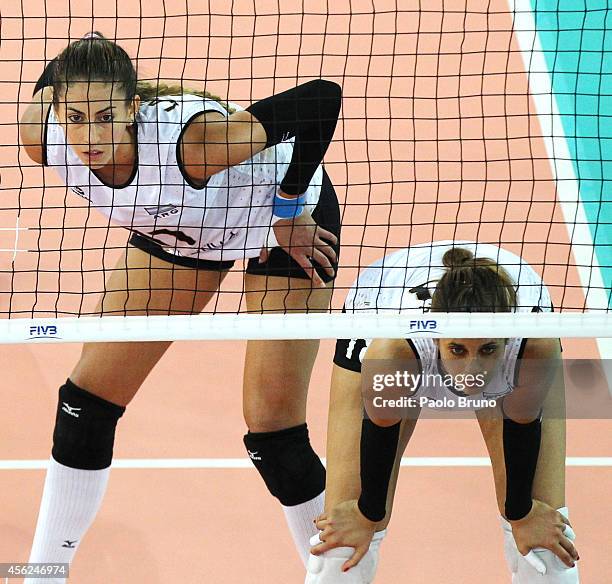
(274,412)
(287,463)
(84,431)
(276,405)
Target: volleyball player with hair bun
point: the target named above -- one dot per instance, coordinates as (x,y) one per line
(199,183)
(526,447)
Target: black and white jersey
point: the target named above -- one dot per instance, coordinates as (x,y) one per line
(229,218)
(405,280)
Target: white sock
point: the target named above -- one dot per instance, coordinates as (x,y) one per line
(71,499)
(300,519)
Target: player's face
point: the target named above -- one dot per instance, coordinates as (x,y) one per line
(96,118)
(472,357)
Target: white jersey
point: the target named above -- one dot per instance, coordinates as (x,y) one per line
(389,284)
(229,218)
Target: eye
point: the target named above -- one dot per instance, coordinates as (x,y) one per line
(456,350)
(106,118)
(489,350)
(75,118)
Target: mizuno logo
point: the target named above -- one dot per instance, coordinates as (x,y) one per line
(69,544)
(70,410)
(253,455)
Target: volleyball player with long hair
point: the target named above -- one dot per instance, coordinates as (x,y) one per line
(199,183)
(518,401)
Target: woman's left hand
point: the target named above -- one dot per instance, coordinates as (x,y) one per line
(544,527)
(305,241)
(345,526)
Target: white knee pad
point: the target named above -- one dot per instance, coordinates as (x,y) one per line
(327,568)
(539,566)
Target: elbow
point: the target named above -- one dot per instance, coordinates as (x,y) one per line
(330,88)
(520,412)
(326,91)
(383,422)
(332,91)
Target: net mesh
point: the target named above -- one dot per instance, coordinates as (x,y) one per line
(484,121)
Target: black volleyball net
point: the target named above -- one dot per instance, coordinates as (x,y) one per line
(481,123)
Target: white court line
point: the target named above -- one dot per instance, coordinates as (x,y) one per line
(16,244)
(555,141)
(237,463)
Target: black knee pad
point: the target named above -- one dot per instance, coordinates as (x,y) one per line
(84,429)
(287,463)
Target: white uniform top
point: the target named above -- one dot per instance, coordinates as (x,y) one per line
(227,219)
(385,286)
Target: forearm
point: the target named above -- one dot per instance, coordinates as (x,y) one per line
(343,437)
(521,443)
(308,113)
(378,452)
(549,484)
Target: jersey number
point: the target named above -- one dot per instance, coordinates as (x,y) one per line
(350,349)
(161,100)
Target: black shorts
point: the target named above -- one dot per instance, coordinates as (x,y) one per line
(280,263)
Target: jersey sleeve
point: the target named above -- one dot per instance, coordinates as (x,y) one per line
(55,149)
(166,118)
(163,122)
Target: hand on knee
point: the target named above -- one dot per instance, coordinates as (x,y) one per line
(540,565)
(327,568)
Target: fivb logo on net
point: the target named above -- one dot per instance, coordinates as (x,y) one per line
(43,331)
(429,325)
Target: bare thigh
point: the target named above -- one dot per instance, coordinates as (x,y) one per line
(277,373)
(140,284)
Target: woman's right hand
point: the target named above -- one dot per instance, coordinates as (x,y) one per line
(543,527)
(345,526)
(305,241)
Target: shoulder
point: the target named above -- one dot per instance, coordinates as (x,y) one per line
(542,349)
(539,362)
(194,128)
(169,116)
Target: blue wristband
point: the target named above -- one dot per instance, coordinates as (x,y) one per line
(288,208)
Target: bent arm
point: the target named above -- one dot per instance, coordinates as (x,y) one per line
(522,424)
(32,125)
(380,438)
(308,113)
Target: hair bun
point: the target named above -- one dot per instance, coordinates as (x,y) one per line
(456,256)
(94,34)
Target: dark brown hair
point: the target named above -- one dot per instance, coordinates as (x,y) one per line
(96,58)
(473,284)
